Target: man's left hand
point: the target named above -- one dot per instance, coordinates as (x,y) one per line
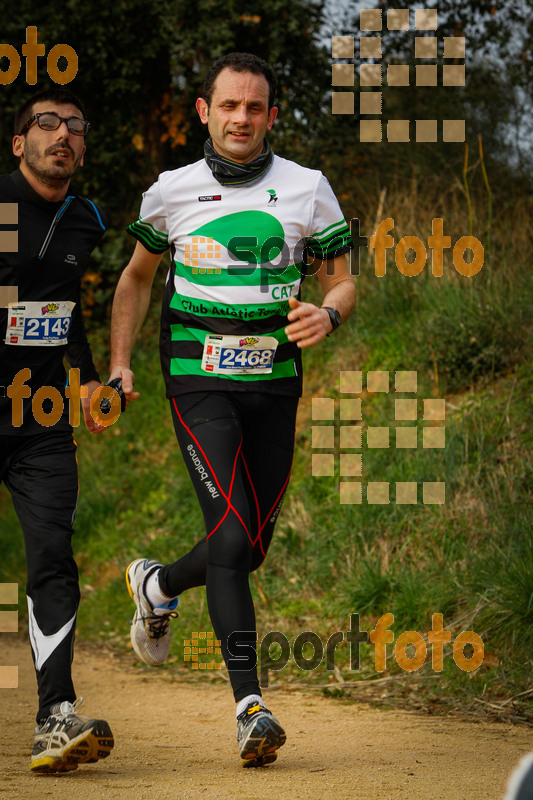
(309,324)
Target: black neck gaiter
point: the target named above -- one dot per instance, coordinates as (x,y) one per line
(230,173)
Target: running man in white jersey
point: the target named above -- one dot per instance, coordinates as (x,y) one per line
(244,227)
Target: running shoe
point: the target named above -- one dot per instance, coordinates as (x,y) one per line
(150,629)
(66,739)
(259,735)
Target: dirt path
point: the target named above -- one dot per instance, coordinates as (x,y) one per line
(178,741)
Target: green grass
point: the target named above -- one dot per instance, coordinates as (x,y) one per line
(470,559)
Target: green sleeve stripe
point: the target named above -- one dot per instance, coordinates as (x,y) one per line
(144,242)
(148,235)
(147,242)
(342,234)
(344,231)
(335,239)
(326,250)
(341,224)
(149,227)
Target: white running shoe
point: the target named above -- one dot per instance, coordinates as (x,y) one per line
(150,629)
(259,735)
(66,739)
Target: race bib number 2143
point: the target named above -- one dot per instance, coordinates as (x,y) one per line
(39,323)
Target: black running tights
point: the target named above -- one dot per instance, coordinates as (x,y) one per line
(238,448)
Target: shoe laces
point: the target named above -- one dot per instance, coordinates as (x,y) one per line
(252,709)
(66,708)
(158,624)
(65,714)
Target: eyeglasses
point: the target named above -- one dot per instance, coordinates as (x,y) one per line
(50,121)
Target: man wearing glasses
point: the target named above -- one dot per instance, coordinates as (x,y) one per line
(40,323)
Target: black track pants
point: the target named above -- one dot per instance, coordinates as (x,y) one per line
(41,474)
(238,448)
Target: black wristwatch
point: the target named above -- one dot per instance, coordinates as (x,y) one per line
(334,316)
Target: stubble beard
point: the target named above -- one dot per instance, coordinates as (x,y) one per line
(54,175)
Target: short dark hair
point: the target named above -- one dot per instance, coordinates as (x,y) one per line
(240,62)
(63,96)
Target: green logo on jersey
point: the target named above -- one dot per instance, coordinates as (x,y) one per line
(251,236)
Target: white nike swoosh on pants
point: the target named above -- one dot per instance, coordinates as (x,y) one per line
(43,646)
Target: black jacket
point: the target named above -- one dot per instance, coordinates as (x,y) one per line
(53,250)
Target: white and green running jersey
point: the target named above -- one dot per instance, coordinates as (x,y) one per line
(237,256)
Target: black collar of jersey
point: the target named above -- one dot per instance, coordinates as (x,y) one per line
(29,194)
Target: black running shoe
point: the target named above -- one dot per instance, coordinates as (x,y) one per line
(259,735)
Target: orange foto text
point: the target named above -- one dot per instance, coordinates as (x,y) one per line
(31,50)
(18,390)
(381,241)
(437,637)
